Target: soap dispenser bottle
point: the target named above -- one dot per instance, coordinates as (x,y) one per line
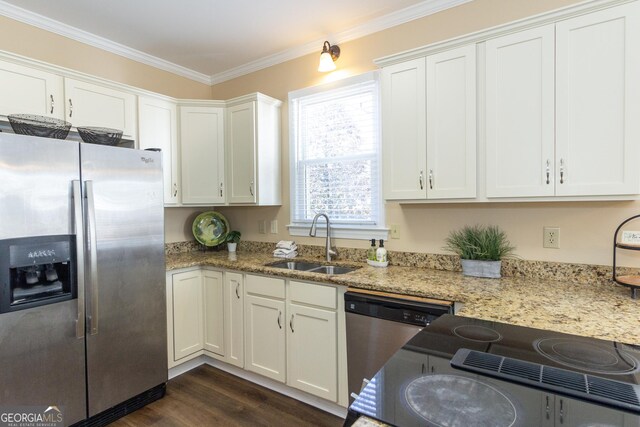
(381,253)
(371,253)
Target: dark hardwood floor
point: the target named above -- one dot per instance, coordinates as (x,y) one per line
(207,396)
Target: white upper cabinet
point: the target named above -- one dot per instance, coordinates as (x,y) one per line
(25,90)
(404,130)
(89,104)
(451,124)
(158,128)
(520,114)
(253,150)
(598,103)
(202,155)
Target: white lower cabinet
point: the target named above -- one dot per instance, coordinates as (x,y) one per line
(234,318)
(289,331)
(186,306)
(265,337)
(214,310)
(312,351)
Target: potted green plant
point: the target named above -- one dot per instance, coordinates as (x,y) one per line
(481,249)
(233,238)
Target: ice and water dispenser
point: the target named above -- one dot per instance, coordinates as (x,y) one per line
(36,271)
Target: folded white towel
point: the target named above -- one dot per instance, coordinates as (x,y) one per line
(289,255)
(285,244)
(285,251)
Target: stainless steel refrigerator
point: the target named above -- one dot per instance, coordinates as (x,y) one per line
(82,297)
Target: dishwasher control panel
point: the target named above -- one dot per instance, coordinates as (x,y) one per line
(394,309)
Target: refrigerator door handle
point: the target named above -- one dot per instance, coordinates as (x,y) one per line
(80,255)
(93,257)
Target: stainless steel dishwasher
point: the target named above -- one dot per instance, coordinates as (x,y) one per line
(378,325)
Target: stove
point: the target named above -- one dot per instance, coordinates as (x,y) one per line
(462,372)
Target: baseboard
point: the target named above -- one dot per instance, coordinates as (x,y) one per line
(187,366)
(330,407)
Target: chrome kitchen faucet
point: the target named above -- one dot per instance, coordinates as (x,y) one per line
(329,250)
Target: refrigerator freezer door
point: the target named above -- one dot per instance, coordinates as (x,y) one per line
(42,360)
(126,311)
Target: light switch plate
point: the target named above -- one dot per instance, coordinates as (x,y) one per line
(274,226)
(394,231)
(262,226)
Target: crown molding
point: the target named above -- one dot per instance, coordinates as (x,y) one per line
(48,24)
(419,10)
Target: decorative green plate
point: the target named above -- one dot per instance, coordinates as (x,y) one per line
(210,228)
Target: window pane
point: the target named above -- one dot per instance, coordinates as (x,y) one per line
(338,126)
(342,190)
(336,151)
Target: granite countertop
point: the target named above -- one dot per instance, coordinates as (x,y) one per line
(604,311)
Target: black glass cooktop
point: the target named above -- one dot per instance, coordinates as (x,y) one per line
(467,372)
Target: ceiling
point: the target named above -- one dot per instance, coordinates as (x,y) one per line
(214,40)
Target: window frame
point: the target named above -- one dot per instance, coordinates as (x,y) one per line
(356,231)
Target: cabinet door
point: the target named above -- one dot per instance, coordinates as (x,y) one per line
(520,114)
(312,355)
(158,128)
(88,104)
(241,153)
(598,103)
(576,413)
(234,319)
(213,295)
(451,124)
(202,155)
(404,138)
(25,90)
(187,313)
(265,337)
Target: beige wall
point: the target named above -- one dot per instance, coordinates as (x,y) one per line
(32,42)
(586,228)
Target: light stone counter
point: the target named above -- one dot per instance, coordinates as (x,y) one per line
(599,310)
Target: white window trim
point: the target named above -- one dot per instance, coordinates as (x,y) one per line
(337,230)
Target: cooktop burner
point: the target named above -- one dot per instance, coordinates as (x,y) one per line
(587,356)
(477,333)
(456,401)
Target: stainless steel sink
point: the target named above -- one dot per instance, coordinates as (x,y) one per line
(294,265)
(332,269)
(311,267)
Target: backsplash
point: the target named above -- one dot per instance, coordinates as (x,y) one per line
(543,270)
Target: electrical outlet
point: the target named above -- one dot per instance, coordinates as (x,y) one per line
(262,226)
(394,231)
(274,226)
(551,237)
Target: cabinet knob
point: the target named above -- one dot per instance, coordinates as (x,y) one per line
(420,181)
(430,179)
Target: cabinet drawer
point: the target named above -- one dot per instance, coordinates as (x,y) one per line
(265,286)
(318,295)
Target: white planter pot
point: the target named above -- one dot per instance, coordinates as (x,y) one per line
(475,268)
(231,247)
